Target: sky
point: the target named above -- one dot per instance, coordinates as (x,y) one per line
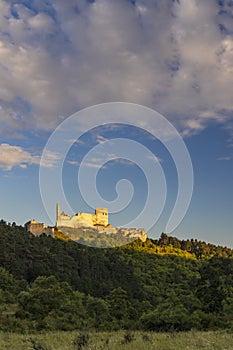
(172,56)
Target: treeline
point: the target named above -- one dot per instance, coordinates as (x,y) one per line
(200,249)
(50,284)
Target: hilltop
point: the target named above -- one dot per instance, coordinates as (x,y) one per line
(93,230)
(164,284)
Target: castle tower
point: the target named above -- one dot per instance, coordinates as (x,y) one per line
(101,216)
(58,214)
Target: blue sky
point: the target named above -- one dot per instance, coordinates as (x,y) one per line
(176,57)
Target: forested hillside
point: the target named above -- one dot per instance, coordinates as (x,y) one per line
(167,284)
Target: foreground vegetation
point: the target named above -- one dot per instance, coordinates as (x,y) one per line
(47,284)
(118,340)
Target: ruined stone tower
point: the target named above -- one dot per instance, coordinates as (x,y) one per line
(100,218)
(58,214)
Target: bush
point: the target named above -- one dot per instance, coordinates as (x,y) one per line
(37,345)
(128,338)
(81,341)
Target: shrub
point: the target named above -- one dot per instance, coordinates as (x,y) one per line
(128,338)
(81,341)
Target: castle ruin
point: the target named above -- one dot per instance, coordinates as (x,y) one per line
(37,228)
(95,223)
(100,218)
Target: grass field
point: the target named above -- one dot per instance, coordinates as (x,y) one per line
(118,340)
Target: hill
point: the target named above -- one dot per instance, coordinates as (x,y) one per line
(163,284)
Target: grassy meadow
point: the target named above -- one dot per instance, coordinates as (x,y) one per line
(218,340)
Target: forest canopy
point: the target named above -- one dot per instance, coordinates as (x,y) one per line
(159,285)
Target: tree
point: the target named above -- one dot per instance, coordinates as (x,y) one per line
(168,317)
(9,286)
(121,310)
(51,303)
(98,312)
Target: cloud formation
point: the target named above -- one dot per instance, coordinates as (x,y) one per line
(12,156)
(60,56)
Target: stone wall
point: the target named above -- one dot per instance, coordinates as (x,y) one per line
(38,228)
(101,216)
(83,219)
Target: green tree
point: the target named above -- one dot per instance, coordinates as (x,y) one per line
(98,312)
(121,310)
(9,286)
(168,317)
(51,304)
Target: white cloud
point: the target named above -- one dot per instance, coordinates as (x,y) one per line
(104,159)
(50,159)
(73,162)
(101,139)
(168,55)
(93,163)
(226,158)
(42,22)
(154,158)
(12,156)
